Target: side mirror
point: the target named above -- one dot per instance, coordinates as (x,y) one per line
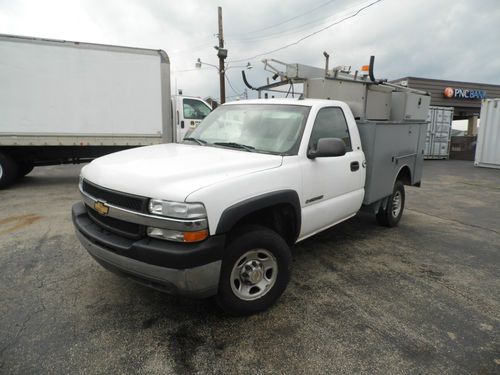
(328,147)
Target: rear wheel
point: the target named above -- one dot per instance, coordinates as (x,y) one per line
(391,214)
(255,271)
(8,170)
(24,168)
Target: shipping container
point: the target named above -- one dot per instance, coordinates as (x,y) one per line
(488,139)
(437,140)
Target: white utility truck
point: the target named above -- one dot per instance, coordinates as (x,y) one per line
(70,102)
(217,214)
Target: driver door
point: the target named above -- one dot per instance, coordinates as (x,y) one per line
(332,186)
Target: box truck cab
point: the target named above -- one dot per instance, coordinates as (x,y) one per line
(187,112)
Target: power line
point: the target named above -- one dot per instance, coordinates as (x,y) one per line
(231,85)
(294,30)
(293,18)
(309,35)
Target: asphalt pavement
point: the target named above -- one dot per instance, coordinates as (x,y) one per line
(422,298)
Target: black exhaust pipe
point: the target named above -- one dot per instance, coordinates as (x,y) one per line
(370,72)
(246,82)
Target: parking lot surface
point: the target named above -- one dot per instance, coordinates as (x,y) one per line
(420,298)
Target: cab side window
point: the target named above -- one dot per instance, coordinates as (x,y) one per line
(330,123)
(195,109)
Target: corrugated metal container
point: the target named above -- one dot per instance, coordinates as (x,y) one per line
(488,139)
(437,140)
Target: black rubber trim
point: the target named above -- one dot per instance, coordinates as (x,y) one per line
(149,250)
(233,214)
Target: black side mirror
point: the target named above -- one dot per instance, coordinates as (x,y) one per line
(328,147)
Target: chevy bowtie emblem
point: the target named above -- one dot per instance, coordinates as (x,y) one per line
(101,208)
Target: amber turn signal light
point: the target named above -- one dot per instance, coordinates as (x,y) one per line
(195,236)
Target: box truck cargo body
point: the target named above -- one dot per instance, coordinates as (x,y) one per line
(69,102)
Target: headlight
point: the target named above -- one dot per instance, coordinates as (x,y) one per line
(174,235)
(177,209)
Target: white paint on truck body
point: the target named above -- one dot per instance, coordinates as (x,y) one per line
(71,88)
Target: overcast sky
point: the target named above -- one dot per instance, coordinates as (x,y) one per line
(445,39)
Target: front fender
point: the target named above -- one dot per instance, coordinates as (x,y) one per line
(236,212)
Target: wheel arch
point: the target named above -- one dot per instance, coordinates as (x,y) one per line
(404,175)
(279,210)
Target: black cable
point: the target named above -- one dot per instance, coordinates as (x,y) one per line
(230,85)
(309,35)
(291,31)
(290,19)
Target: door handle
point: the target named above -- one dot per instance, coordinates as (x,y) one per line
(354,166)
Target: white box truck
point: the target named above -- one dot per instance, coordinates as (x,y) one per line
(70,102)
(254,178)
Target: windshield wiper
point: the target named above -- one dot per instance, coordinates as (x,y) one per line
(201,142)
(236,145)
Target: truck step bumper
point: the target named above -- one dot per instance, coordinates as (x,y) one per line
(201,281)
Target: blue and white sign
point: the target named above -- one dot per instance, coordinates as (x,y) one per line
(451,92)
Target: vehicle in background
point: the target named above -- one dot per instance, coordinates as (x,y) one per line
(254,178)
(70,102)
(188,112)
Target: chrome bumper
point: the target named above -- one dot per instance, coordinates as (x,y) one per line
(201,281)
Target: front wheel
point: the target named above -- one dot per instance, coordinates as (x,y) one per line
(391,214)
(255,271)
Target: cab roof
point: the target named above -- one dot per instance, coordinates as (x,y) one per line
(287,101)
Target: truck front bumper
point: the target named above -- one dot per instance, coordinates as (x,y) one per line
(176,268)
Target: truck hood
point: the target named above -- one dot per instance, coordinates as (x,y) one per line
(173,171)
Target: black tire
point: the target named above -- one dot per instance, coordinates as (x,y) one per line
(24,168)
(246,240)
(387,216)
(8,171)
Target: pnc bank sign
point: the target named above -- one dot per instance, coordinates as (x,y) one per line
(450,92)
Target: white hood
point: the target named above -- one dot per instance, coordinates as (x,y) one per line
(173,171)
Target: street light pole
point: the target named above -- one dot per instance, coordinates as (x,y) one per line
(222,54)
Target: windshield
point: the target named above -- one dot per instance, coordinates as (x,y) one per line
(272,128)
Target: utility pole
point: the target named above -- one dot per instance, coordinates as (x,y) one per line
(222,54)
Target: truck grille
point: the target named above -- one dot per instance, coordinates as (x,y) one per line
(120,227)
(124,200)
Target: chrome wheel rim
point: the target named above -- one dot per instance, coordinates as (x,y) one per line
(254,274)
(396,204)
(1,171)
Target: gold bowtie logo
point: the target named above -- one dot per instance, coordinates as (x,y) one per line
(101,208)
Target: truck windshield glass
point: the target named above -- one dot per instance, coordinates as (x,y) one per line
(271,128)
(195,109)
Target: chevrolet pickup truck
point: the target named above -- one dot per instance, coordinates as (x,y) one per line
(217,214)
